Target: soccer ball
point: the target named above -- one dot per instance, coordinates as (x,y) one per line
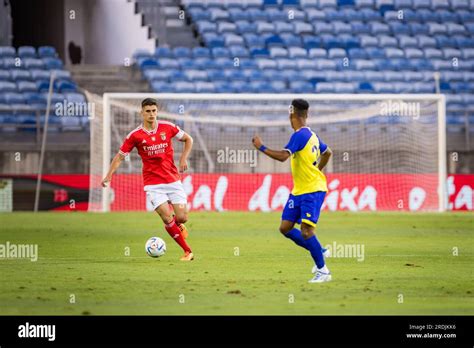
(155,247)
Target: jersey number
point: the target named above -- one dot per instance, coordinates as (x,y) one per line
(315,150)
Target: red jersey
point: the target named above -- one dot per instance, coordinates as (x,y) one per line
(156,150)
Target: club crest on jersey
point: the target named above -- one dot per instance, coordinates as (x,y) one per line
(163,135)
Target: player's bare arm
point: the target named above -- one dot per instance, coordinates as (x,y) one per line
(113,167)
(188,145)
(279,155)
(324,158)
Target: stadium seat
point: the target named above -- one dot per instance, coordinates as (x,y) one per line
(7,52)
(47,51)
(26,52)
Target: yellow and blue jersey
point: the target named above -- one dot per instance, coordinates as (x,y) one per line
(305,148)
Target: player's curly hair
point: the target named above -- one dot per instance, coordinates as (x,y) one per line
(300,107)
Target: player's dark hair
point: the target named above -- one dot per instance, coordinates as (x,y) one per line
(149,102)
(300,107)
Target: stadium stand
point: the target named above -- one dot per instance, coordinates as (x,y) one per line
(360,46)
(24,85)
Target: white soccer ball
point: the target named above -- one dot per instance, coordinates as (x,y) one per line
(155,247)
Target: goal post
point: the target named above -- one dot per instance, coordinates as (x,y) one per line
(389,149)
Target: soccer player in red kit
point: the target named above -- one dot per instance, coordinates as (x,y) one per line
(160,175)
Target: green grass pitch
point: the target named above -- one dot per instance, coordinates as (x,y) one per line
(408,258)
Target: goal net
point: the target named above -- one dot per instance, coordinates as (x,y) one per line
(389,151)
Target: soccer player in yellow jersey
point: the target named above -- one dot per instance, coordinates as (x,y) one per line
(309,155)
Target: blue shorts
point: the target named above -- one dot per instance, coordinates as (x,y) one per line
(304,208)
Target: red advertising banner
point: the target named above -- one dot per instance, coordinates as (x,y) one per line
(253,192)
(269,192)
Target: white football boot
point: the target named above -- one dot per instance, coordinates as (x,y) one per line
(326,254)
(321,277)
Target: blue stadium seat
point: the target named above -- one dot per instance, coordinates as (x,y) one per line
(439,4)
(184,87)
(360,28)
(237,14)
(49,63)
(6,86)
(244,27)
(342,28)
(393,76)
(378,28)
(163,52)
(7,52)
(226,27)
(368,41)
(4,75)
(310,64)
(278,86)
(301,87)
(350,15)
(443,41)
(195,75)
(334,76)
(205,87)
(315,15)
(317,53)
(450,53)
(182,52)
(26,52)
(437,28)
(337,53)
(397,28)
(283,27)
(20,75)
(362,64)
(364,4)
(327,4)
(223,87)
(65,86)
(201,52)
(419,29)
(413,53)
(426,41)
(357,53)
(219,52)
(303,28)
(239,51)
(405,41)
(310,41)
(426,16)
(323,28)
(278,52)
(334,16)
(420,4)
(375,53)
(14,98)
(325,87)
(274,41)
(386,41)
(297,52)
(47,51)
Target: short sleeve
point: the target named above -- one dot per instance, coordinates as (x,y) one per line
(127,146)
(177,132)
(297,142)
(322,146)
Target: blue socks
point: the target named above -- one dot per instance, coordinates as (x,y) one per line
(316,251)
(311,244)
(296,236)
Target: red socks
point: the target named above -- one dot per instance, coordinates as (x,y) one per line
(175,233)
